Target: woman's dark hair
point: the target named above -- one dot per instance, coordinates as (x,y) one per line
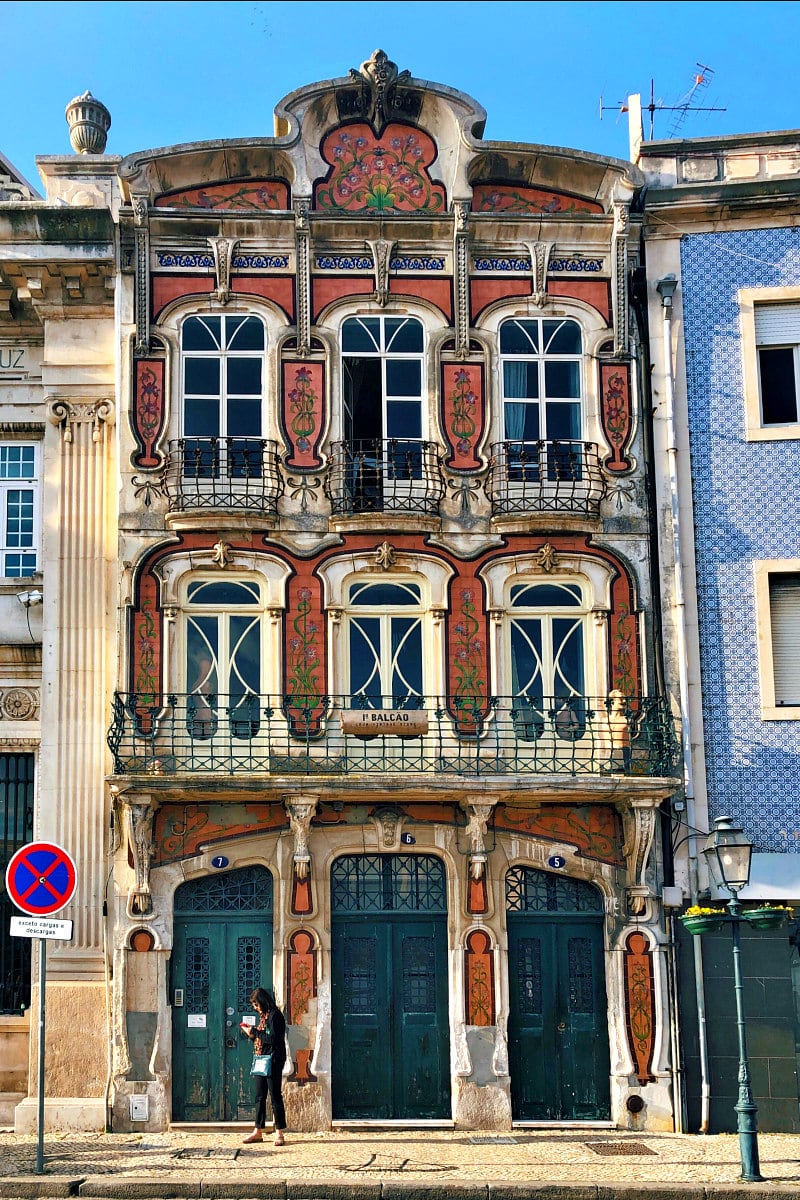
(264,999)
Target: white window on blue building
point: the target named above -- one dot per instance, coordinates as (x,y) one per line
(19,509)
(778,342)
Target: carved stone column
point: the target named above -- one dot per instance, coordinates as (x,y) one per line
(78,552)
(639,827)
(620,283)
(142,234)
(461,267)
(302,238)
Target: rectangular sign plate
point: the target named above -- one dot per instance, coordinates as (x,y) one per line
(41,927)
(372,722)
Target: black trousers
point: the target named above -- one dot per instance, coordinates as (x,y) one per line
(270,1085)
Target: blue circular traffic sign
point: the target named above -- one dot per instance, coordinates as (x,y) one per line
(40,878)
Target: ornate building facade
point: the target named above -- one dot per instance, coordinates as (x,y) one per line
(350,673)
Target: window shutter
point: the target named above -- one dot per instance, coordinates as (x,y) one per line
(777,324)
(784,603)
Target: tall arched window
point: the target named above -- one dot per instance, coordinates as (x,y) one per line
(385,644)
(222,375)
(223,623)
(548,655)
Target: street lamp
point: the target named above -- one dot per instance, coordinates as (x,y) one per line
(728,853)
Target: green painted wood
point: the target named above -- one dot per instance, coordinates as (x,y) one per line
(558,1031)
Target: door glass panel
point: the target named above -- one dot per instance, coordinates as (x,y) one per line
(245,333)
(519,337)
(403,420)
(562,337)
(244,420)
(419,975)
(223,592)
(406,675)
(529,976)
(381,595)
(388,883)
(580,997)
(365,659)
(248,970)
(521,380)
(562,379)
(200,419)
(360,975)
(244,377)
(197,974)
(528,890)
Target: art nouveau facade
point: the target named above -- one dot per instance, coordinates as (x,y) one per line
(346,548)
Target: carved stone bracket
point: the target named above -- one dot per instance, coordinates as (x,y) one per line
(388,821)
(302,234)
(301,810)
(478,817)
(461,265)
(142,236)
(67,415)
(223,249)
(620,267)
(139,813)
(540,260)
(381,257)
(639,827)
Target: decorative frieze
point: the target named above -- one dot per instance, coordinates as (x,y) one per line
(413,263)
(201,260)
(521,264)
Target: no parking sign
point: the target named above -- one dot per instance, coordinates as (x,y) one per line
(40,878)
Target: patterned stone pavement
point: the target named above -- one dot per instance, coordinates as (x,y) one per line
(578,1163)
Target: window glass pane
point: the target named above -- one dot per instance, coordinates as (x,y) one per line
(385,595)
(19,518)
(201,333)
(563,421)
(223,592)
(365,643)
(363,416)
(562,379)
(18,566)
(526,658)
(403,419)
(244,673)
(784,603)
(406,633)
(361,334)
(567,657)
(244,418)
(562,337)
(403,335)
(201,418)
(244,376)
(403,377)
(521,380)
(202,647)
(546,595)
(519,337)
(778,385)
(245,333)
(522,422)
(201,377)
(17,462)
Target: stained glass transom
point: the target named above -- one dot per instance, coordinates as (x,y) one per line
(248,963)
(388,883)
(197,974)
(529,977)
(248,890)
(528,890)
(581,981)
(419,975)
(360,976)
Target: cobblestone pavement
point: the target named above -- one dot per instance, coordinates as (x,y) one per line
(436,1160)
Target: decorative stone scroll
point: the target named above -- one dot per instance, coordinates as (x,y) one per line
(301,810)
(639,827)
(139,822)
(463,413)
(148,412)
(640,1004)
(303,413)
(616,414)
(479,979)
(68,415)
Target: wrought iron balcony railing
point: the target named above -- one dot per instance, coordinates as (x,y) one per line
(344,735)
(546,476)
(210,473)
(393,475)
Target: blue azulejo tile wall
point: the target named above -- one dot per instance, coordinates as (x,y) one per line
(747,508)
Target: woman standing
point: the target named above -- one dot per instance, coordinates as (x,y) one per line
(268,1037)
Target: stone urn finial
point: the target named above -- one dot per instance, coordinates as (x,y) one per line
(89,122)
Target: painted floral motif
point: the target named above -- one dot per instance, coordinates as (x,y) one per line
(468,682)
(386,174)
(148,411)
(463,403)
(303,411)
(255,194)
(616,415)
(640,1003)
(479,979)
(624,634)
(180,829)
(302,982)
(304,667)
(498,198)
(145,640)
(594,829)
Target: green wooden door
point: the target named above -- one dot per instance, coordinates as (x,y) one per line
(558,1030)
(391,1046)
(222,950)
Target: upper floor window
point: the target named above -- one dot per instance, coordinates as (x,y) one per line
(777,630)
(770,325)
(223,655)
(541,362)
(385,644)
(223,386)
(547,644)
(19,508)
(382,361)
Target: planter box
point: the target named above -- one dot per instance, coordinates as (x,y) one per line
(766,918)
(704,924)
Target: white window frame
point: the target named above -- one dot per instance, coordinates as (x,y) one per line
(222,356)
(353,611)
(771,710)
(34,485)
(385,355)
(541,358)
(750,299)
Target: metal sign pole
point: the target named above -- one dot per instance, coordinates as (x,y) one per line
(40,1120)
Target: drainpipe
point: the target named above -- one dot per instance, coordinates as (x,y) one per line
(666,290)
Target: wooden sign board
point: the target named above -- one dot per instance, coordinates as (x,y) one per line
(376,722)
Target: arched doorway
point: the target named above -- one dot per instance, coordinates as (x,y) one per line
(390,1035)
(558,1026)
(222,950)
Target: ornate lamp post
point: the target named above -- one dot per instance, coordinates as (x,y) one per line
(728,853)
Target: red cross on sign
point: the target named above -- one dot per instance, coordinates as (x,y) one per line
(40,878)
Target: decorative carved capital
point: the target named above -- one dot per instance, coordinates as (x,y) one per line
(381,256)
(139,814)
(67,414)
(221,556)
(540,260)
(139,204)
(223,249)
(302,213)
(461,215)
(639,827)
(300,810)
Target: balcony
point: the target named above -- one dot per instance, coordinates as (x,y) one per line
(546,476)
(394,475)
(350,736)
(212,474)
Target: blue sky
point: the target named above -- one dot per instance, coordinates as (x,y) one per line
(186,71)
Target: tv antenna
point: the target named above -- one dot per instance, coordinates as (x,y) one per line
(701,80)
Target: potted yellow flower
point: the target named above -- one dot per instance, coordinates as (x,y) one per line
(698,919)
(767,916)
